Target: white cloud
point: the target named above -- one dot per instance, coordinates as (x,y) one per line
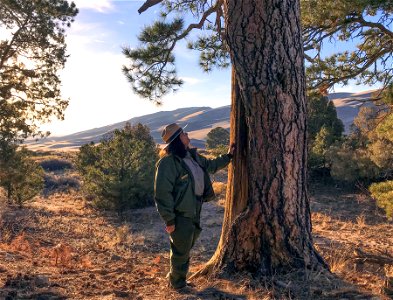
(102,6)
(82,36)
(79,27)
(191,80)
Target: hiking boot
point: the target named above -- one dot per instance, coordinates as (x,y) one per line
(186,286)
(186,289)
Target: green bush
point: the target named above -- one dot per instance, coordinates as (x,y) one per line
(366,155)
(55,164)
(219,150)
(324,129)
(20,176)
(321,112)
(319,147)
(217,138)
(383,193)
(351,164)
(119,172)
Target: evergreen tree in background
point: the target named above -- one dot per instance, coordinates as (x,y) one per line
(30,58)
(119,172)
(366,155)
(324,129)
(217,137)
(32,52)
(20,176)
(322,112)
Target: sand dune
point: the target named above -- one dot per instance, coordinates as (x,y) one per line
(200,121)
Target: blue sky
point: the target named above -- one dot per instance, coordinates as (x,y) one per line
(99,92)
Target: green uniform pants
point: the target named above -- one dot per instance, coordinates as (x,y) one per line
(186,233)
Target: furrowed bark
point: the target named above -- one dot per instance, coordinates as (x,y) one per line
(267,225)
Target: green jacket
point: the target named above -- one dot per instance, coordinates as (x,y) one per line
(174,185)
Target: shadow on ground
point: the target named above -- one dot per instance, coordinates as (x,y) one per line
(296,285)
(26,286)
(210,293)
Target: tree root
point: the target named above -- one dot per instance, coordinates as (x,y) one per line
(206,270)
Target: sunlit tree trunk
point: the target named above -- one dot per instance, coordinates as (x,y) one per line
(237,187)
(267,222)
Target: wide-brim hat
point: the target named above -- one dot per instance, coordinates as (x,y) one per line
(171,132)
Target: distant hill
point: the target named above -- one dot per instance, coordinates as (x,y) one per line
(200,121)
(349,104)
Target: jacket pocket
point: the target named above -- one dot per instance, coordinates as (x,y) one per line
(180,188)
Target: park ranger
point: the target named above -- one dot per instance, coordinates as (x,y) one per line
(182,184)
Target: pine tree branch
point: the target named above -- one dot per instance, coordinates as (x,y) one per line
(219,15)
(308,57)
(148,4)
(15,18)
(211,10)
(353,73)
(5,55)
(190,27)
(383,29)
(316,34)
(360,60)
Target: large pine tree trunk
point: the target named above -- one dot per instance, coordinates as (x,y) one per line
(267,225)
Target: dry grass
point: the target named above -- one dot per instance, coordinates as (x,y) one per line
(355,238)
(219,188)
(60,247)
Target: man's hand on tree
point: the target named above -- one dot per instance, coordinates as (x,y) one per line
(232,149)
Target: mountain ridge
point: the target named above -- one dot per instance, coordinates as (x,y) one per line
(200,121)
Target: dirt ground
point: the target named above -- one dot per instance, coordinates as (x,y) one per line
(61,248)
